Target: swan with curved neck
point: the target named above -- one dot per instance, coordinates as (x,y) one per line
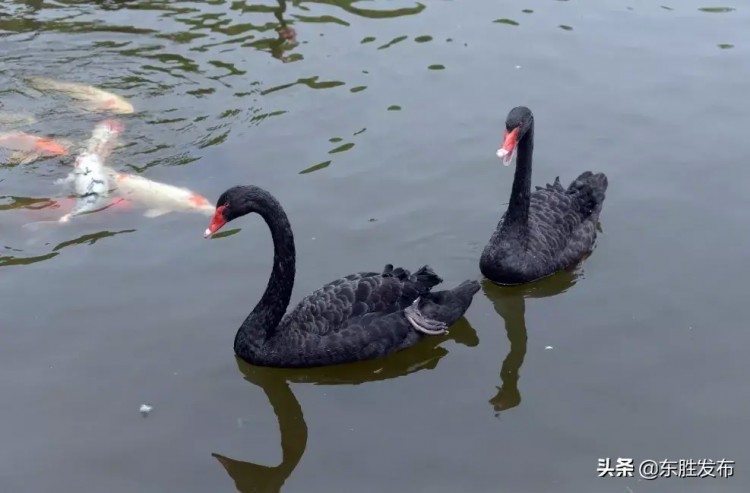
(358,317)
(545,231)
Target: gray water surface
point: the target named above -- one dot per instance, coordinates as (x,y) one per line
(376,128)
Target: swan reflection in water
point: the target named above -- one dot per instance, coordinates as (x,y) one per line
(287,36)
(286,39)
(249,477)
(510,303)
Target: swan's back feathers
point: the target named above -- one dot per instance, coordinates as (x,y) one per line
(556,213)
(365,337)
(561,231)
(562,223)
(555,187)
(413,285)
(361,317)
(330,307)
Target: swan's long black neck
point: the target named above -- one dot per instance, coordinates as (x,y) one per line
(292,425)
(265,317)
(518,207)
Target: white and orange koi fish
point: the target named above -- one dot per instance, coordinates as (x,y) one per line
(91,98)
(27,148)
(159,198)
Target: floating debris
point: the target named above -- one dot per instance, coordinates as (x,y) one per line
(145,409)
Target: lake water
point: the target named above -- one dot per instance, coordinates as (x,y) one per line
(376,127)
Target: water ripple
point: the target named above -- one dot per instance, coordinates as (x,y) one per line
(87,239)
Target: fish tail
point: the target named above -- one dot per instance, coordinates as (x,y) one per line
(43,83)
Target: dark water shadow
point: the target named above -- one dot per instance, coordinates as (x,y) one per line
(250,477)
(510,303)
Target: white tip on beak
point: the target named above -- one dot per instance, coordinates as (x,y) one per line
(506,156)
(207,233)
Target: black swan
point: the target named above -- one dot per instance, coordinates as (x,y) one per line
(359,317)
(548,230)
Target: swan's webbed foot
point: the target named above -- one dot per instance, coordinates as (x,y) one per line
(423,324)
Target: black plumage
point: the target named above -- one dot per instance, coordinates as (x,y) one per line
(359,317)
(548,230)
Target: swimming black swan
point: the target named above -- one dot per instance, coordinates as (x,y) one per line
(359,317)
(546,231)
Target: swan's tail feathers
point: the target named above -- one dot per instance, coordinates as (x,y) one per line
(427,278)
(596,182)
(399,272)
(466,290)
(459,300)
(555,186)
(592,188)
(433,313)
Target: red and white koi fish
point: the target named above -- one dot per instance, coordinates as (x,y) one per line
(159,198)
(27,148)
(92,98)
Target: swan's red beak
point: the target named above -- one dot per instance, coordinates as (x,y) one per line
(216,222)
(510,140)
